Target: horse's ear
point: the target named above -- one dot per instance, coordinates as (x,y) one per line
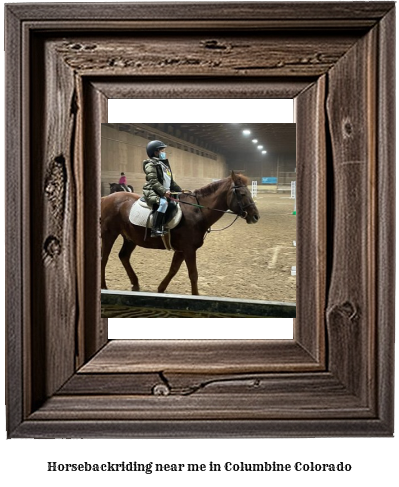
(234,176)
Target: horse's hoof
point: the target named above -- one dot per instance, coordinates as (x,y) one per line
(135,288)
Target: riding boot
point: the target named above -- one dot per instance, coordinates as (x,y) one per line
(157,227)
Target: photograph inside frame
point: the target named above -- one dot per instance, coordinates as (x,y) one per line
(204,209)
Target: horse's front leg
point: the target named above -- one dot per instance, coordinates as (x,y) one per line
(191,262)
(107,242)
(177,261)
(124,255)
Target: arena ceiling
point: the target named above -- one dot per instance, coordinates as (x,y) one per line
(229,139)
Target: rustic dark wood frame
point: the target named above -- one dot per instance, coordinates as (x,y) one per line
(336,377)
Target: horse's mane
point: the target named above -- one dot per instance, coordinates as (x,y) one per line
(212,187)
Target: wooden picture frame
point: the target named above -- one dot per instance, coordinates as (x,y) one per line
(335,378)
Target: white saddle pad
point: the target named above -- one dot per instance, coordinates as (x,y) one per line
(140,211)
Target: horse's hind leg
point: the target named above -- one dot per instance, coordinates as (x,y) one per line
(124,255)
(177,261)
(107,242)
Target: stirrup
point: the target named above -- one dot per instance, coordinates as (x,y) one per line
(157,228)
(157,232)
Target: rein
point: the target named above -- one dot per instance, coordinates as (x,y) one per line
(242,213)
(197,206)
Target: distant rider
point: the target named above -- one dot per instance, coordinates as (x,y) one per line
(123,182)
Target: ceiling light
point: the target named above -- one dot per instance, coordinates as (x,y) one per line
(260,146)
(255,141)
(246,132)
(264,152)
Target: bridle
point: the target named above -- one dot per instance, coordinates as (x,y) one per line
(242,213)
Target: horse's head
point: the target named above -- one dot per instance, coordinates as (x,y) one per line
(240,200)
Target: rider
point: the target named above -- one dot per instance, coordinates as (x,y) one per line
(123,182)
(159,183)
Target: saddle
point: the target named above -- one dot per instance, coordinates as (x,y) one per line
(142,215)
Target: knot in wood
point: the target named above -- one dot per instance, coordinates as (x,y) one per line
(50,188)
(213,44)
(347,128)
(161,390)
(54,185)
(346,310)
(90,47)
(52,246)
(119,62)
(349,310)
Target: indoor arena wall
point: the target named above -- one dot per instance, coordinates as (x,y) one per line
(125,152)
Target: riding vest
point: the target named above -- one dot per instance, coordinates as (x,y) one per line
(154,189)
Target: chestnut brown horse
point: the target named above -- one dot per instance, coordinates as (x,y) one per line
(201,209)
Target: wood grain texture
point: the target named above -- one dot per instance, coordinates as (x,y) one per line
(137,87)
(113,384)
(200,356)
(201,389)
(217,55)
(184,384)
(352,128)
(95,329)
(191,428)
(385,244)
(203,407)
(53,209)
(208,11)
(15,260)
(209,400)
(311,218)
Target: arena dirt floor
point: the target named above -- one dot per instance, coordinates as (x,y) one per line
(244,261)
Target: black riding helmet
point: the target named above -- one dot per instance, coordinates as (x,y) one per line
(153,146)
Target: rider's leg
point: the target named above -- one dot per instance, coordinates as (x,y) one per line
(159,218)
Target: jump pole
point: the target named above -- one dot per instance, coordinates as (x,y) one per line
(254,189)
(293,195)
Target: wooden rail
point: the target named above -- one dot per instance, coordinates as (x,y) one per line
(125,303)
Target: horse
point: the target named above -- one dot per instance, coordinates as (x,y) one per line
(116,187)
(201,209)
